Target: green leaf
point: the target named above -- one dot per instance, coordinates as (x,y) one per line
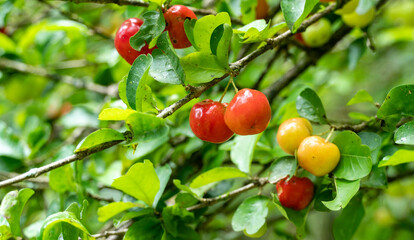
(355,51)
(351,217)
(189,31)
(36,133)
(223,46)
(241,153)
(5,232)
(130,215)
(248,10)
(355,160)
(137,77)
(201,67)
(184,233)
(405,134)
(204,28)
(399,157)
(186,189)
(108,211)
(146,228)
(62,179)
(166,67)
(47,230)
(398,103)
(122,91)
(309,105)
(141,182)
(360,97)
(216,175)
(12,206)
(345,191)
(174,216)
(373,141)
(185,199)
(10,145)
(282,167)
(153,27)
(295,11)
(251,214)
(364,6)
(99,137)
(163,174)
(146,127)
(115,114)
(359,116)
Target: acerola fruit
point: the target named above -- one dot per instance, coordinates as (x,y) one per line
(296,193)
(292,132)
(318,156)
(318,33)
(128,29)
(356,20)
(207,121)
(174,20)
(262,9)
(259,233)
(248,112)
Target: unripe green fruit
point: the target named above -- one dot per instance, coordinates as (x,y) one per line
(356,20)
(259,233)
(318,33)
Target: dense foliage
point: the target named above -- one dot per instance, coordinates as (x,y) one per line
(93,147)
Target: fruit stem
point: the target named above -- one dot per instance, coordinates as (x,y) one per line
(225,90)
(330,134)
(235,88)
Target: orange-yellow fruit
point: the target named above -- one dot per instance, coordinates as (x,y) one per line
(318,156)
(291,133)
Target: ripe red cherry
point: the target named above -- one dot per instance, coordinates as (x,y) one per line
(295,193)
(207,121)
(174,20)
(248,112)
(128,29)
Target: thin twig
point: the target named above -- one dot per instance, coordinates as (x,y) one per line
(110,233)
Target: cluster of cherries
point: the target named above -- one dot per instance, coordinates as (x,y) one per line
(174,24)
(315,154)
(247,113)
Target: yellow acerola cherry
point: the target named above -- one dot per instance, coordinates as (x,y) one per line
(356,20)
(318,156)
(291,133)
(259,233)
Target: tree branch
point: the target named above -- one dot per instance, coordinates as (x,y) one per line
(77,83)
(110,233)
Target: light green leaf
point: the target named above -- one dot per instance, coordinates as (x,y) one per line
(399,157)
(115,114)
(108,211)
(351,217)
(310,106)
(345,191)
(355,51)
(248,10)
(251,214)
(186,189)
(137,77)
(11,208)
(9,143)
(146,127)
(204,28)
(360,97)
(141,182)
(295,11)
(201,67)
(355,160)
(241,153)
(99,137)
(405,134)
(122,91)
(163,174)
(282,167)
(62,179)
(216,175)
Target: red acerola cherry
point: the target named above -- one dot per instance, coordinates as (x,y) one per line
(128,29)
(296,193)
(248,112)
(174,20)
(207,121)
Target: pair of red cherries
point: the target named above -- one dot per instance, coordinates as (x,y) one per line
(247,113)
(174,21)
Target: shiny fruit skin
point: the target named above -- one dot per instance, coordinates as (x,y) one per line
(318,156)
(174,20)
(248,112)
(262,9)
(296,193)
(259,233)
(292,132)
(355,20)
(318,33)
(207,121)
(128,29)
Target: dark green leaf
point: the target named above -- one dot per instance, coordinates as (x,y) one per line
(248,10)
(146,127)
(398,103)
(355,160)
(216,36)
(241,153)
(12,206)
(146,228)
(185,199)
(223,46)
(137,76)
(350,217)
(184,233)
(216,175)
(99,137)
(405,134)
(355,51)
(186,189)
(320,198)
(251,214)
(153,27)
(189,31)
(122,90)
(174,216)
(345,191)
(309,106)
(376,179)
(166,67)
(295,11)
(282,167)
(204,28)
(10,146)
(373,141)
